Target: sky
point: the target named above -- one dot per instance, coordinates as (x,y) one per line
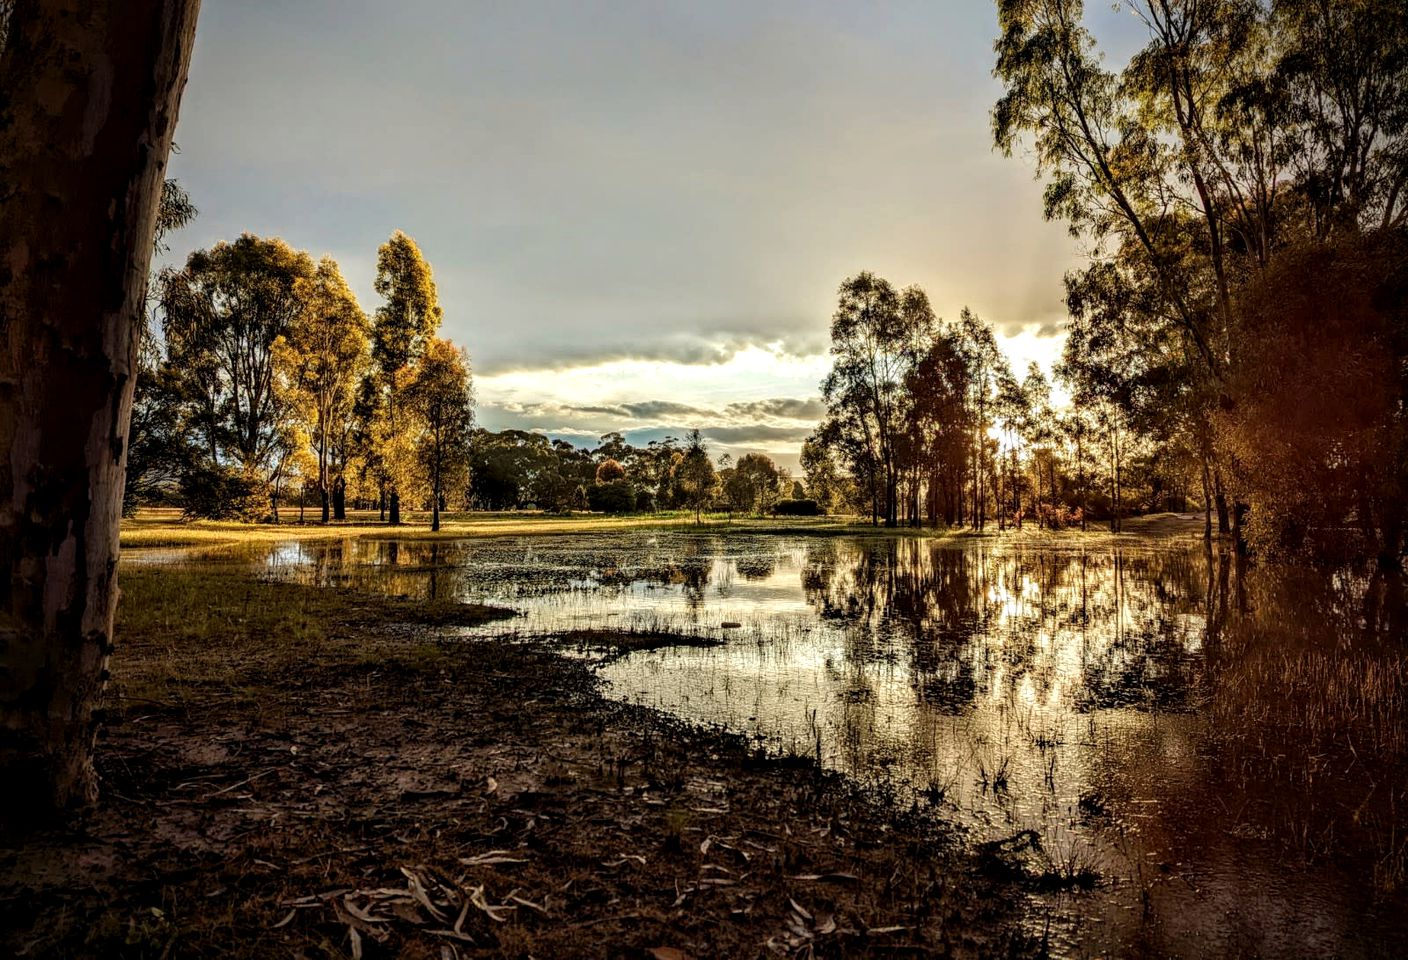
(638,213)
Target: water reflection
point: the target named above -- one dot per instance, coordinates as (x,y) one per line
(1224,747)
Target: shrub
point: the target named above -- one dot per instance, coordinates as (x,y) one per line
(645,503)
(796,507)
(213,492)
(618,496)
(1058,516)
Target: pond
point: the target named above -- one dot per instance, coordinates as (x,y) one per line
(1212,756)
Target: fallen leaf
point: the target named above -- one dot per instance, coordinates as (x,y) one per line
(668,953)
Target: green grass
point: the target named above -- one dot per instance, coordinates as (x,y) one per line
(196,630)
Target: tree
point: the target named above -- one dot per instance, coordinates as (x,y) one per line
(1239,134)
(940,424)
(876,337)
(408,317)
(987,371)
(438,396)
(89,95)
(327,357)
(755,482)
(226,316)
(694,478)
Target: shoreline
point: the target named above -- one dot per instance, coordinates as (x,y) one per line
(293,768)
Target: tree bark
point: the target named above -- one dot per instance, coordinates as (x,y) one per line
(89,93)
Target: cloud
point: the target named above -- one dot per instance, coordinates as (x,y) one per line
(787,408)
(660,409)
(713,349)
(756,433)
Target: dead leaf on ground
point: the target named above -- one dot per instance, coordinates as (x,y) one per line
(668,953)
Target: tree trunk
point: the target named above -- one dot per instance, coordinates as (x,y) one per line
(395,508)
(1224,525)
(1207,502)
(89,92)
(435,497)
(339,499)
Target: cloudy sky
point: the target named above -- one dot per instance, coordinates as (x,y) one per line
(638,211)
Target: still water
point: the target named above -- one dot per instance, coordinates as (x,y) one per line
(1212,757)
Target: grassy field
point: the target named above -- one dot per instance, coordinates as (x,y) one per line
(165,527)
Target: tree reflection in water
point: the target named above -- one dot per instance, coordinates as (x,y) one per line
(1225,745)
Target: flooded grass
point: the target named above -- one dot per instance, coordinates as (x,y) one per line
(1137,705)
(324,779)
(1155,749)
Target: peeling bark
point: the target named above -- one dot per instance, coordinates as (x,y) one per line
(89,93)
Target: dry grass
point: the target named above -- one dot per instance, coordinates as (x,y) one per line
(163,527)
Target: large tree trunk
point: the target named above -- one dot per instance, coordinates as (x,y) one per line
(89,91)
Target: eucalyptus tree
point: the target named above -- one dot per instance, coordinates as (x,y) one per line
(225,317)
(987,370)
(408,318)
(693,476)
(756,480)
(327,355)
(940,423)
(877,336)
(1039,431)
(1242,133)
(82,176)
(439,400)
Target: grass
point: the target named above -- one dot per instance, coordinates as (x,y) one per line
(164,527)
(299,771)
(197,630)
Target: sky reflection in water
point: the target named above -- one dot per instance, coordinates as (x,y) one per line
(1157,714)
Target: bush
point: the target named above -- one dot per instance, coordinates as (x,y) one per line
(797,508)
(618,496)
(211,492)
(645,503)
(1058,516)
(610,471)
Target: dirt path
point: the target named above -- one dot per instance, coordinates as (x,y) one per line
(294,772)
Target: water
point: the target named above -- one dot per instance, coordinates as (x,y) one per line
(1219,750)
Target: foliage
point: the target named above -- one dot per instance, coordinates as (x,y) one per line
(752,485)
(224,318)
(1244,141)
(327,358)
(693,478)
(797,508)
(441,413)
(216,492)
(613,496)
(877,335)
(610,470)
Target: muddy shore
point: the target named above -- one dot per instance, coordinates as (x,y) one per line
(297,772)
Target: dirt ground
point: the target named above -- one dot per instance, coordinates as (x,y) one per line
(291,772)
